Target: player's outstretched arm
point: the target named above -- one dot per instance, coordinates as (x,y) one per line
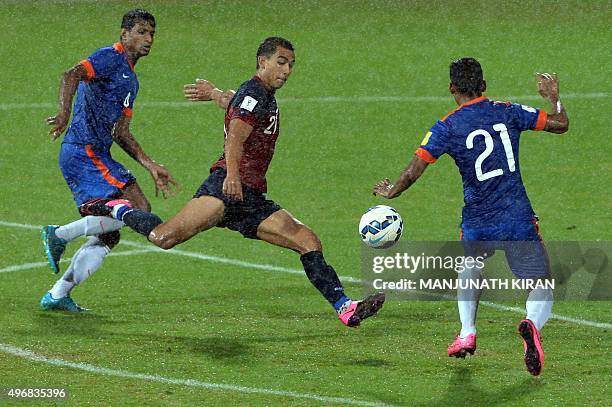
(408,177)
(237,133)
(548,87)
(203,91)
(68,87)
(161,176)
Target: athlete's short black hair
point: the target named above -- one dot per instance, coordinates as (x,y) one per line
(466,75)
(268,47)
(135,16)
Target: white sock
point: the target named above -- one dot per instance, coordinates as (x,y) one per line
(84,263)
(88,226)
(467,314)
(61,288)
(467,301)
(539,305)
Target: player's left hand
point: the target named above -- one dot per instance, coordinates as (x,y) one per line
(548,86)
(384,189)
(163,181)
(201,91)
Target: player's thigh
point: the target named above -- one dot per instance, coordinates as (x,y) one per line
(525,251)
(92,174)
(283,229)
(528,259)
(133,193)
(198,215)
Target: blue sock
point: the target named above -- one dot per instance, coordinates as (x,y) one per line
(120,212)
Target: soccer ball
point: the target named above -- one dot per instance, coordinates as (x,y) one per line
(380,227)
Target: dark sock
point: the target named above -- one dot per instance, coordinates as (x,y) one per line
(323,277)
(140,221)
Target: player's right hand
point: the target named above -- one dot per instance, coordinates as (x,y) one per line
(59,123)
(232,188)
(384,189)
(201,91)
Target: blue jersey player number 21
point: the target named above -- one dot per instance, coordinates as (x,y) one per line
(482,137)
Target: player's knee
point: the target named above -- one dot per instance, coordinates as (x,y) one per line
(110,239)
(309,242)
(164,241)
(139,202)
(134,194)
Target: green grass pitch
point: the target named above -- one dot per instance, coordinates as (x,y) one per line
(177,325)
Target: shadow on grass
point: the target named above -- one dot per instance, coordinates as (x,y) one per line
(220,347)
(68,326)
(87,324)
(223,349)
(462,391)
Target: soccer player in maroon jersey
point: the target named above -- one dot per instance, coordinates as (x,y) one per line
(233,195)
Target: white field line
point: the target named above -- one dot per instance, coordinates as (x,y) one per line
(323,99)
(26,354)
(577,321)
(28,266)
(268,267)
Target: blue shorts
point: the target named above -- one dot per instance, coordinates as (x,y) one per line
(242,216)
(520,240)
(92,173)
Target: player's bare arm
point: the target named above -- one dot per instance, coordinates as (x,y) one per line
(548,87)
(238,132)
(408,177)
(161,176)
(203,91)
(68,87)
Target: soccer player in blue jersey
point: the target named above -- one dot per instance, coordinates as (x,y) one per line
(106,86)
(482,137)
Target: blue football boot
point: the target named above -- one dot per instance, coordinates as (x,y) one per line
(54,246)
(48,303)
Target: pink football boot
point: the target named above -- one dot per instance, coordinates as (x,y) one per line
(534,354)
(462,346)
(357,311)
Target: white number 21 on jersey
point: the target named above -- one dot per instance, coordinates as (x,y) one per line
(271,129)
(505,138)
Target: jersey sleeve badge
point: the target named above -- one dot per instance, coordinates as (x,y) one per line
(248,103)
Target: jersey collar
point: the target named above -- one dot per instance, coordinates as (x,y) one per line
(261,82)
(119,48)
(468,103)
(473,101)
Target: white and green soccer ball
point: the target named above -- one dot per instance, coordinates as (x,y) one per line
(380,227)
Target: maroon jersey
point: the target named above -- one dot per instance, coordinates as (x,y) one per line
(255,105)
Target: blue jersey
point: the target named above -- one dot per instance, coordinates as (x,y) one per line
(108,92)
(482,137)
